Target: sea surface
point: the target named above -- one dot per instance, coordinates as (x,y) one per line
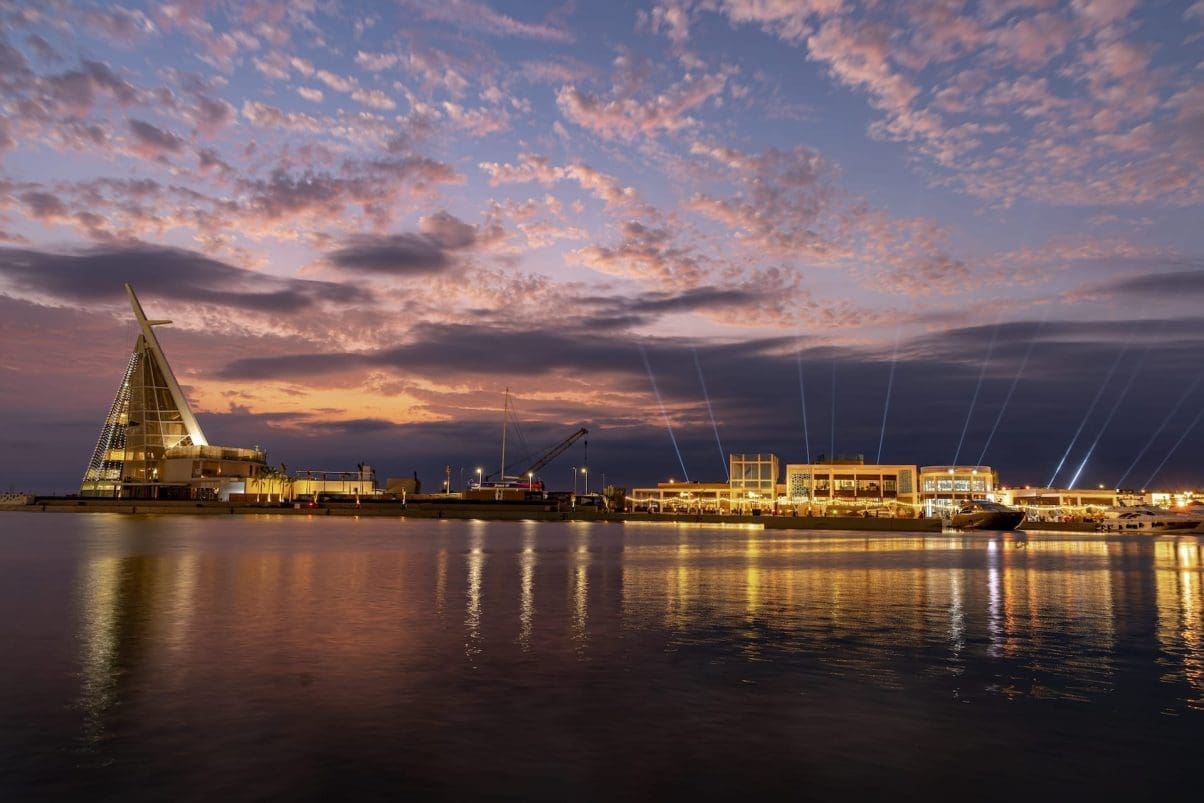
(290,658)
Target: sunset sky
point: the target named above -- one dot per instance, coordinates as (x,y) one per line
(366,220)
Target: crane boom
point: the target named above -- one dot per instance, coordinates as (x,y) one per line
(556,451)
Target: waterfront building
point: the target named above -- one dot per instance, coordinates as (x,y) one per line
(683,497)
(311,483)
(847,486)
(150,444)
(753,482)
(1059,504)
(945,488)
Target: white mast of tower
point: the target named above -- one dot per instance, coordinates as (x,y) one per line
(177,395)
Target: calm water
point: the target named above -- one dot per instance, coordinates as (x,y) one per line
(202,658)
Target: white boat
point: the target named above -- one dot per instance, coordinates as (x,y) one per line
(1144,520)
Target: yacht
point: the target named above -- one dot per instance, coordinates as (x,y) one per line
(980,514)
(1145,520)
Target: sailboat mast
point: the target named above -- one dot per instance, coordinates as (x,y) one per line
(505,415)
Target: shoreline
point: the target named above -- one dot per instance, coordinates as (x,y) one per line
(508,512)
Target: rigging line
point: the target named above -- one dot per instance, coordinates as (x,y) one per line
(1090,409)
(977,387)
(520,437)
(714,427)
(1011,390)
(890,383)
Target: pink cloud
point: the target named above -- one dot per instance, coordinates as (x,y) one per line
(626,117)
(480,17)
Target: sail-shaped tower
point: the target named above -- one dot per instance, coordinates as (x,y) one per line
(148,421)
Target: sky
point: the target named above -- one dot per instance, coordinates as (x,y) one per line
(927,233)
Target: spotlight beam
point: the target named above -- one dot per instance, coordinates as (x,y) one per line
(832,447)
(1178,443)
(714,427)
(664,415)
(1111,414)
(1090,409)
(1157,432)
(974,399)
(890,383)
(1011,390)
(802,394)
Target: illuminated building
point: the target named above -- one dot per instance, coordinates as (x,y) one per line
(683,497)
(943,488)
(753,481)
(849,486)
(150,444)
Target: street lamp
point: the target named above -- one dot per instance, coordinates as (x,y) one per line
(574,470)
(480,471)
(530,480)
(585,473)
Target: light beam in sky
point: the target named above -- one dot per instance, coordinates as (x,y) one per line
(1091,408)
(977,387)
(1166,420)
(832,447)
(1011,390)
(890,383)
(802,394)
(714,427)
(1178,443)
(1111,414)
(664,415)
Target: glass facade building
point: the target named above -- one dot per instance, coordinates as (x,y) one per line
(752,480)
(150,443)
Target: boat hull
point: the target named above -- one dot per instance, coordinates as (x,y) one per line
(988,520)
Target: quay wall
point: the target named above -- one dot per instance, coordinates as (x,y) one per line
(512,511)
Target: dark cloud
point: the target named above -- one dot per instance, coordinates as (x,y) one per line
(754,389)
(1170,285)
(98,275)
(398,254)
(701,298)
(153,139)
(43,205)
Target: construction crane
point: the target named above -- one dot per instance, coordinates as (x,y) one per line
(548,456)
(556,451)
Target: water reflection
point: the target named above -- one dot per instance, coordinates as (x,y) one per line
(580,589)
(476,569)
(366,613)
(99,597)
(526,564)
(1178,565)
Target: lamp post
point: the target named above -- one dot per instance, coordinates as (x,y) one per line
(480,471)
(574,470)
(530,480)
(585,473)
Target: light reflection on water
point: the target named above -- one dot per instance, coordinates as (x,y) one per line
(451,656)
